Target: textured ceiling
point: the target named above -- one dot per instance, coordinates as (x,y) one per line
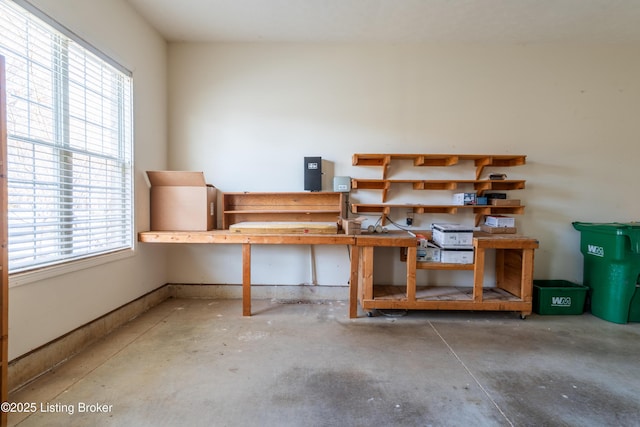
(485,21)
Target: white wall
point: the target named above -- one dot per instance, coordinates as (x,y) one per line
(247,114)
(43,310)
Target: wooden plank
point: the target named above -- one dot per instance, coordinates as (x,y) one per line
(503,241)
(499,267)
(360,273)
(299,208)
(411,272)
(354,255)
(480,185)
(367,271)
(282,198)
(233,217)
(497,305)
(200,237)
(510,277)
(307,206)
(300,239)
(368,159)
(385,208)
(478,275)
(483,160)
(228,237)
(390,239)
(527,277)
(246,279)
(292,227)
(426,265)
(453,293)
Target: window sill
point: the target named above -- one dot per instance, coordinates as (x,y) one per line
(19,279)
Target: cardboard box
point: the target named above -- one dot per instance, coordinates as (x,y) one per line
(498,230)
(353,226)
(462,199)
(505,202)
(491,196)
(500,221)
(452,236)
(456,256)
(181,201)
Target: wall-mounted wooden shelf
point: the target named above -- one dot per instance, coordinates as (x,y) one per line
(479,186)
(295,207)
(480,160)
(479,210)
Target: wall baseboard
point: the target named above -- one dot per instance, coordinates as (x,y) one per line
(41,360)
(30,366)
(273,292)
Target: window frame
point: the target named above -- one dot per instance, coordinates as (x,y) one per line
(60,267)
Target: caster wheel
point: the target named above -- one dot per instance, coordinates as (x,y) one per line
(523,316)
(369,313)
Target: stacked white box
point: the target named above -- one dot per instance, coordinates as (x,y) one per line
(456,256)
(452,236)
(500,221)
(464,199)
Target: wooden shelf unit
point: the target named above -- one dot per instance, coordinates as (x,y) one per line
(283,206)
(480,160)
(480,186)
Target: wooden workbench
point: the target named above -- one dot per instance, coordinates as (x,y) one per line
(514,269)
(247,240)
(514,278)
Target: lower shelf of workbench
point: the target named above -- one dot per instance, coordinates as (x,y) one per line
(444,298)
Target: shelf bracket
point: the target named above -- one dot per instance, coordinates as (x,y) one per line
(385,190)
(385,166)
(481,164)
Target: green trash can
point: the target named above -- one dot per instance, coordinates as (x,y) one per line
(612,269)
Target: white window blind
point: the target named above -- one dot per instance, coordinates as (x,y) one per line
(69,125)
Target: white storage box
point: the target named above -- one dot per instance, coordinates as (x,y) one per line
(456,256)
(464,199)
(500,221)
(452,236)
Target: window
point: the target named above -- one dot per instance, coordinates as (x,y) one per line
(69,125)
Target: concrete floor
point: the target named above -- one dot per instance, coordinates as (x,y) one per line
(194,362)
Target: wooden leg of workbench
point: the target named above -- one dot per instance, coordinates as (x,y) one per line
(411,273)
(354,252)
(367,272)
(360,275)
(500,271)
(246,279)
(478,275)
(526,289)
